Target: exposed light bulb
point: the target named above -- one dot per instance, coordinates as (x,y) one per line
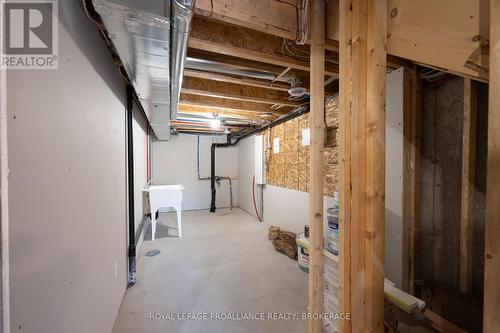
(215,123)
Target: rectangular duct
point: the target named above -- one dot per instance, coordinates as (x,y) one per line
(150,38)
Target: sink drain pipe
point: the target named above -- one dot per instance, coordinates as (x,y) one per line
(212,169)
(130,176)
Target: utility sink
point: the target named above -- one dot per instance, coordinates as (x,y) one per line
(164,196)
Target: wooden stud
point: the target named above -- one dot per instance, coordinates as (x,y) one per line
(411,176)
(317,123)
(491,310)
(345,189)
(363,52)
(375,163)
(468,181)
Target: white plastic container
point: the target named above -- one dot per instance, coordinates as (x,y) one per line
(332,241)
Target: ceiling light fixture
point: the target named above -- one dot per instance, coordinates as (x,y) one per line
(215,123)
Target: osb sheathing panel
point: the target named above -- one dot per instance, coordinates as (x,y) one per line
(290,167)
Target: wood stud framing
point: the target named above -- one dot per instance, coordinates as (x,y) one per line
(363,52)
(492,244)
(468,188)
(317,123)
(412,131)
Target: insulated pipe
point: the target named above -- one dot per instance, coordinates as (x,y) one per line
(212,169)
(130,174)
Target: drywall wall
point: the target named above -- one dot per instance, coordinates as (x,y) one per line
(246,168)
(139,130)
(67,184)
(174,162)
(393,263)
(283,207)
(289,209)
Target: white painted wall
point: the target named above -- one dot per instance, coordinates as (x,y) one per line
(288,209)
(139,128)
(394,178)
(67,159)
(246,170)
(174,162)
(283,207)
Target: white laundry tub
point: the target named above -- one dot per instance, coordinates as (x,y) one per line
(164,196)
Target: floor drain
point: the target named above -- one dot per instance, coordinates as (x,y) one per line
(152,253)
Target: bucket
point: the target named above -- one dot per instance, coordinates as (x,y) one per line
(303,250)
(332,215)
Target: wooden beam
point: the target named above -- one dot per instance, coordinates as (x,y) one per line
(278,18)
(220,103)
(202,87)
(412,130)
(244,43)
(278,86)
(491,310)
(317,121)
(442,325)
(462,28)
(468,185)
(345,188)
(363,26)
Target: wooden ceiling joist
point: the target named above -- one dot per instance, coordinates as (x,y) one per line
(197,110)
(202,87)
(225,104)
(272,17)
(241,81)
(443,34)
(244,43)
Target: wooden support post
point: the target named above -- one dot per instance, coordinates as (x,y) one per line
(362,99)
(317,119)
(492,228)
(412,128)
(345,193)
(468,172)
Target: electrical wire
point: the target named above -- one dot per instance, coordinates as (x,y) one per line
(253,196)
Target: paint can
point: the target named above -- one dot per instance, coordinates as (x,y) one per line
(303,249)
(332,243)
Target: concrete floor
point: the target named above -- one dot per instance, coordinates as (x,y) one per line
(223,264)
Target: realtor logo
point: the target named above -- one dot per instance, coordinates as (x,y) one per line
(29,34)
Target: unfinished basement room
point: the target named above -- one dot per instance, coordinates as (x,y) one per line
(236,166)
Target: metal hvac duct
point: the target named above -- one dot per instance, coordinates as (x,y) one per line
(182,14)
(230,69)
(151,39)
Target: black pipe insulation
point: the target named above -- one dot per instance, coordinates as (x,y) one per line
(130,176)
(212,168)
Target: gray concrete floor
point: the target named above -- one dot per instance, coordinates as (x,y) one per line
(223,264)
